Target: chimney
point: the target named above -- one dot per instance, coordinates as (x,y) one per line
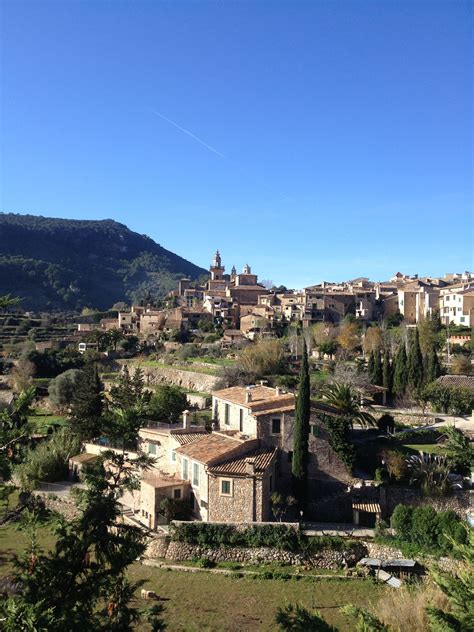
(186,419)
(250,466)
(248,395)
(278,391)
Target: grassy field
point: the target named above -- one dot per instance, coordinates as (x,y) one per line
(429,448)
(42,419)
(208,602)
(210,360)
(204,601)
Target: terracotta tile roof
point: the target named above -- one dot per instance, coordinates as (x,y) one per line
(237,466)
(84,457)
(264,398)
(187,438)
(465,381)
(274,410)
(210,448)
(162,480)
(413,285)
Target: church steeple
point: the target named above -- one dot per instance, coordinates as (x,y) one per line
(217,260)
(217,269)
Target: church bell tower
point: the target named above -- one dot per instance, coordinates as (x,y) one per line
(217,269)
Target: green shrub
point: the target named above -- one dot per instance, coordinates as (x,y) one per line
(205,562)
(215,535)
(275,535)
(49,460)
(449,399)
(402,518)
(424,530)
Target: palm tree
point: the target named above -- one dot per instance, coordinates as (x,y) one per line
(8,301)
(430,472)
(346,399)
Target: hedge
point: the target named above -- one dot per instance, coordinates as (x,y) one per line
(275,535)
(424,530)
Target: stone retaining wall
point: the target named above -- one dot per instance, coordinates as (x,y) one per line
(383,551)
(161,546)
(459,501)
(63,506)
(189,380)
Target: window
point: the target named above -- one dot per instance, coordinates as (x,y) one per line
(241,420)
(276,426)
(185,469)
(227,415)
(176,494)
(196,474)
(172,456)
(462,319)
(226,487)
(152,448)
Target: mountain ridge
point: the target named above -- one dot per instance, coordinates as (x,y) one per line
(68,264)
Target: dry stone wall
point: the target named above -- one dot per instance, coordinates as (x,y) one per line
(162,547)
(459,501)
(190,380)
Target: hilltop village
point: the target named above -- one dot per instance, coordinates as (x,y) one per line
(253,424)
(246,309)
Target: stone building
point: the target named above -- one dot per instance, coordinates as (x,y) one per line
(229,474)
(268,414)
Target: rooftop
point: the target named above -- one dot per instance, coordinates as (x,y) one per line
(162,480)
(209,448)
(237,466)
(464,381)
(84,457)
(263,398)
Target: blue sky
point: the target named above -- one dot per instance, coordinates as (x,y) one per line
(330,139)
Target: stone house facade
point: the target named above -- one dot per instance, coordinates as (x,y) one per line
(229,474)
(268,414)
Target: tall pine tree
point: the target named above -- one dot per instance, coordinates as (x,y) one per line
(87,404)
(301,433)
(400,371)
(415,363)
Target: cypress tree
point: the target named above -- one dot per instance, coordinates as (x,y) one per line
(433,368)
(400,371)
(371,366)
(415,363)
(87,404)
(378,373)
(387,373)
(301,434)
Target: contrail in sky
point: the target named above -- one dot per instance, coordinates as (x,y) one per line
(186,131)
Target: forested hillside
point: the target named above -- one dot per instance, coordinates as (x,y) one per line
(59,264)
